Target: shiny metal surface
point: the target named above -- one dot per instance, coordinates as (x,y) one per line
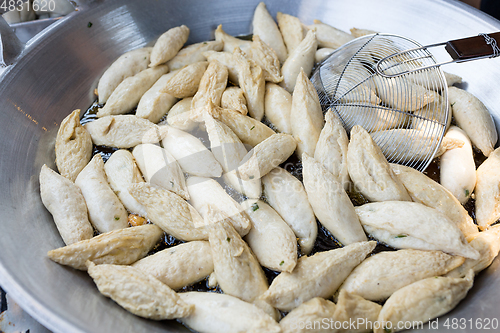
(10,44)
(58,72)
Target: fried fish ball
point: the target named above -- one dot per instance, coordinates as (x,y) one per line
(106,212)
(457,170)
(229,151)
(179,115)
(426,191)
(371,117)
(380,275)
(352,307)
(179,266)
(155,103)
(411,225)
(237,270)
(123,131)
(139,293)
(160,168)
(487,243)
(191,154)
(129,92)
(331,149)
(249,130)
(429,118)
(330,202)
(266,156)
(252,82)
(220,313)
(185,82)
(370,171)
(286,194)
(349,309)
(207,192)
(402,94)
(291,29)
(423,300)
(306,116)
(302,58)
(322,53)
(265,27)
(122,171)
(452,79)
(168,45)
(120,247)
(488,191)
(228,60)
(128,64)
(474,118)
(329,36)
(266,58)
(270,238)
(230,42)
(212,85)
(233,98)
(316,276)
(357,32)
(193,53)
(277,107)
(309,314)
(64,200)
(169,211)
(73,146)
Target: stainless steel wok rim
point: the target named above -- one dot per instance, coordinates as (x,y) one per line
(34,306)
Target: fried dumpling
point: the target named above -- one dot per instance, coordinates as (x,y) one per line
(403,224)
(123,131)
(286,194)
(306,116)
(122,171)
(106,212)
(64,200)
(168,45)
(423,300)
(169,211)
(128,64)
(488,191)
(380,275)
(73,146)
(370,171)
(474,118)
(426,191)
(179,266)
(270,238)
(193,53)
(330,202)
(119,247)
(265,27)
(155,103)
(317,276)
(160,168)
(302,58)
(220,313)
(123,284)
(129,92)
(191,154)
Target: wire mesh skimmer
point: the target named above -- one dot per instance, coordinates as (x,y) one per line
(407,114)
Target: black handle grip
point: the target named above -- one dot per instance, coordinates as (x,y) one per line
(482,46)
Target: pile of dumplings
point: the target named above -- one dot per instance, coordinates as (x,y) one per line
(194,160)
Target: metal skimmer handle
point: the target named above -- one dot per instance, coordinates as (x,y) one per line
(461,50)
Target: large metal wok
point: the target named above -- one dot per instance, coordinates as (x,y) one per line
(59,70)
